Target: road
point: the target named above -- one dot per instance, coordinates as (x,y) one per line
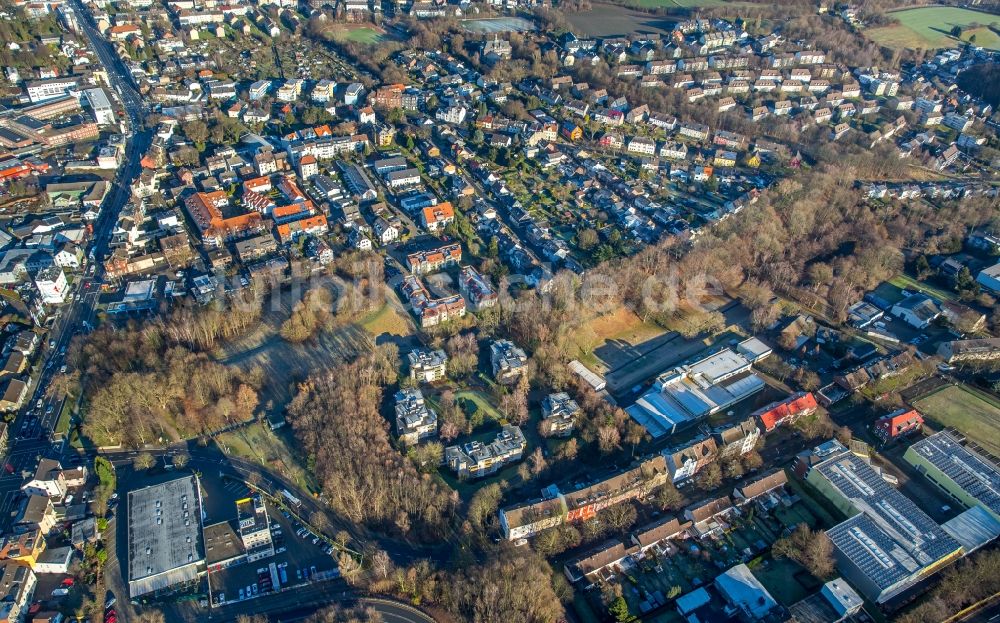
(989,614)
(299,604)
(293,605)
(211,458)
(32,428)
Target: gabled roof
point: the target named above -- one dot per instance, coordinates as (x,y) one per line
(899,422)
(763,484)
(706,509)
(659,530)
(796,404)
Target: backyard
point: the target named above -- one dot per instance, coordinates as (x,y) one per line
(686,565)
(930,27)
(972,412)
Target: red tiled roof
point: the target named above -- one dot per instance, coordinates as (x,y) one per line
(899,423)
(795,405)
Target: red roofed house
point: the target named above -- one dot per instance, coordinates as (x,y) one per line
(312,225)
(258,184)
(786,411)
(897,424)
(438,216)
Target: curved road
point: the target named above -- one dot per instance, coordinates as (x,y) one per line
(273,483)
(391,611)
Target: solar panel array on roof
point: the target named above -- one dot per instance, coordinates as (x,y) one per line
(971,471)
(890,541)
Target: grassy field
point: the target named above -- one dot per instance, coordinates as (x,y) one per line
(360,34)
(482,403)
(909,283)
(386,320)
(683,4)
(930,27)
(975,414)
(257,442)
(622,327)
(606,20)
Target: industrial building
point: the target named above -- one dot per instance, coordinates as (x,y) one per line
(964,474)
(691,392)
(887,544)
(165,545)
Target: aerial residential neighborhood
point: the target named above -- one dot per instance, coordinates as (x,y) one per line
(662,311)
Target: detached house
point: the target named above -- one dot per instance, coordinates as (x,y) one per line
(437,217)
(897,424)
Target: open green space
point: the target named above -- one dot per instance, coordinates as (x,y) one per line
(480,400)
(62,424)
(904,281)
(930,27)
(786,580)
(386,320)
(684,4)
(257,442)
(975,414)
(363,34)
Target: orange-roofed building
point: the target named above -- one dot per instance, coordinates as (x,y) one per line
(292,212)
(257,202)
(786,411)
(312,225)
(438,216)
(897,424)
(258,184)
(433,260)
(205,210)
(123,32)
(13,169)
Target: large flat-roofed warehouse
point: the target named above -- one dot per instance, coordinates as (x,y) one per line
(164,535)
(689,393)
(965,474)
(887,544)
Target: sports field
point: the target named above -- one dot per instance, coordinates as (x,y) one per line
(972,412)
(362,34)
(930,27)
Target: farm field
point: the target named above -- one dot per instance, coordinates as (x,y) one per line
(498,24)
(975,414)
(930,27)
(682,4)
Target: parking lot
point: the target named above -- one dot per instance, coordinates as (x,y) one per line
(301,556)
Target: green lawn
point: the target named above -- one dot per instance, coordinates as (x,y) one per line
(386,320)
(975,414)
(785,580)
(930,27)
(62,424)
(684,4)
(257,442)
(481,401)
(905,281)
(359,35)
